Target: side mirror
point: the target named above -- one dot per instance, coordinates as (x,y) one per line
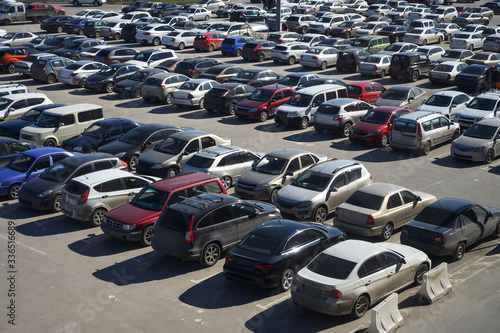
(11,110)
(61,124)
(454,105)
(288,173)
(411,98)
(418,198)
(334,189)
(403,261)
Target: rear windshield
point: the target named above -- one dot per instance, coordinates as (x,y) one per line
(73,66)
(332,267)
(217,92)
(444,68)
(474,70)
(366,200)
(481,56)
(214,70)
(174,219)
(153,81)
(403,126)
(354,90)
(229,41)
(103,53)
(260,243)
(436,216)
(184,65)
(200,162)
(280,48)
(77,188)
(328,109)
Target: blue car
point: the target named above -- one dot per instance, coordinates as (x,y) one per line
(234,45)
(73,49)
(75,26)
(27,165)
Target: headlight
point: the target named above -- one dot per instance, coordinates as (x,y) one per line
(373,133)
(128,226)
(479,119)
(482,148)
(252,110)
(304,204)
(44,193)
(261,187)
(77,148)
(293,114)
(120,154)
(128,88)
(156,166)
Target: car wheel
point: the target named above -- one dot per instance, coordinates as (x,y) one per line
(490,156)
(209,110)
(132,163)
(320,214)
(486,22)
(496,234)
(263,116)
(97,34)
(182,46)
(424,42)
(116,36)
(327,32)
(346,130)
(49,143)
(80,32)
(383,73)
(440,39)
(210,48)
(291,60)
(51,78)
(96,3)
(81,84)
(109,87)
(55,206)
(415,75)
(387,232)
(261,57)
(168,98)
(397,39)
(360,306)
(10,68)
(286,280)
(427,148)
(13,192)
(348,34)
(455,135)
(304,122)
(273,194)
(419,275)
(459,252)
(59,29)
(202,103)
(324,65)
(160,15)
(137,93)
(74,57)
(97,217)
(471,47)
(207,18)
(76,3)
(239,52)
(231,109)
(384,140)
(147,235)
(303,30)
(211,255)
(226,181)
(172,172)
(156,41)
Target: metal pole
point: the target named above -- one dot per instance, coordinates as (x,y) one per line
(278,15)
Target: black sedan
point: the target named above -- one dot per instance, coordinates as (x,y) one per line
(55,23)
(448,226)
(98,134)
(10,148)
(104,80)
(256,77)
(346,29)
(139,140)
(394,32)
(472,78)
(163,9)
(224,97)
(270,255)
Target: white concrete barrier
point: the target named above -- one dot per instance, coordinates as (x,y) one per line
(435,284)
(386,316)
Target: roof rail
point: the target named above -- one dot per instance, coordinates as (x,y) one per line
(194,181)
(345,166)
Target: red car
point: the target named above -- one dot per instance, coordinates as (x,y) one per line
(9,55)
(463,9)
(208,41)
(262,103)
(134,221)
(367,91)
(375,126)
(305,11)
(44,6)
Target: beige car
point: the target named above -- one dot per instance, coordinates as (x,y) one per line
(378,209)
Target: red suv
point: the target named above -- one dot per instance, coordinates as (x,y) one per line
(365,90)
(263,102)
(9,55)
(375,126)
(134,221)
(208,41)
(259,50)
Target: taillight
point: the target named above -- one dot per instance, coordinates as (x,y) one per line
(375,66)
(192,71)
(439,239)
(189,233)
(338,117)
(124,164)
(404,231)
(190,96)
(419,132)
(83,198)
(337,212)
(161,86)
(249,83)
(262,267)
(280,40)
(229,258)
(146,33)
(370,220)
(334,293)
(106,59)
(314,57)
(449,76)
(256,48)
(73,74)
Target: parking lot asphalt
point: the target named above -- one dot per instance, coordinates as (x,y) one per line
(73,278)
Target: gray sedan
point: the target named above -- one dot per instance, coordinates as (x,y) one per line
(481,142)
(191,93)
(319,56)
(403,96)
(375,65)
(76,73)
(16,38)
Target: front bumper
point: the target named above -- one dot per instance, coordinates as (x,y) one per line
(133,236)
(30,200)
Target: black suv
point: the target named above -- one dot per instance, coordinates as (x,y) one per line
(350,59)
(194,67)
(410,65)
(201,227)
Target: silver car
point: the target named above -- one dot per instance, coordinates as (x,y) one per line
(375,65)
(225,162)
(432,52)
(399,47)
(339,115)
(191,93)
(288,52)
(153,33)
(197,14)
(371,28)
(160,86)
(88,197)
(447,29)
(319,56)
(455,55)
(445,72)
(423,36)
(76,73)
(112,30)
(23,66)
(179,39)
(16,38)
(403,96)
(467,40)
(481,142)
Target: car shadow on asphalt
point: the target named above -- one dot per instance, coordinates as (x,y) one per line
(197,113)
(347,145)
(117,97)
(52,225)
(450,162)
(101,245)
(494,169)
(387,155)
(57,87)
(234,120)
(151,266)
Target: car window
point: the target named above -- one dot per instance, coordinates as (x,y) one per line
(242,210)
(369,267)
(83,170)
(435,123)
(113,131)
(207,141)
(426,125)
(17,148)
(41,163)
(222,214)
(110,186)
(213,187)
(133,182)
(389,259)
(408,197)
(480,213)
(353,175)
(294,242)
(339,181)
(176,197)
(306,160)
(103,165)
(294,165)
(394,201)
(311,235)
(195,190)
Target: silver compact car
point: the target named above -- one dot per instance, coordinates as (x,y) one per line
(192,92)
(319,56)
(76,73)
(160,86)
(375,65)
(481,142)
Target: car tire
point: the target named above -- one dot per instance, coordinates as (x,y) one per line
(181,46)
(97,34)
(207,18)
(13,192)
(156,41)
(397,39)
(202,103)
(427,148)
(291,60)
(137,93)
(10,68)
(440,40)
(286,280)
(261,57)
(324,65)
(147,235)
(59,29)
(74,57)
(387,232)
(496,233)
(384,140)
(172,172)
(424,42)
(455,135)
(231,108)
(51,78)
(486,22)
(76,3)
(239,52)
(419,275)
(459,252)
(347,35)
(383,73)
(210,255)
(132,163)
(108,87)
(303,30)
(327,32)
(226,181)
(273,194)
(263,116)
(209,110)
(97,217)
(360,306)
(346,130)
(490,156)
(96,3)
(304,123)
(394,77)
(320,214)
(116,36)
(415,75)
(50,143)
(210,48)
(80,32)
(81,84)
(471,47)
(168,98)
(55,205)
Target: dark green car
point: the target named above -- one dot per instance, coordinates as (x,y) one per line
(93,28)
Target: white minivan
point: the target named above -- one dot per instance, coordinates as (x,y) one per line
(15,105)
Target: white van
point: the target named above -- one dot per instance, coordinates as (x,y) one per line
(15,105)
(301,107)
(13,88)
(59,124)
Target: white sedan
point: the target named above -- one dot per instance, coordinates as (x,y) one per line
(153,33)
(179,39)
(192,92)
(432,52)
(423,36)
(349,277)
(197,14)
(467,40)
(448,103)
(445,72)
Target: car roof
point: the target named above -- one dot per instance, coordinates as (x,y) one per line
(388,109)
(288,153)
(451,204)
(406,88)
(78,160)
(381,189)
(449,93)
(200,204)
(103,175)
(229,85)
(320,88)
(189,134)
(181,180)
(37,152)
(332,166)
(354,250)
(217,151)
(274,87)
(280,229)
(153,127)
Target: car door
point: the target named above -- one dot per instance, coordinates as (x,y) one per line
(486,223)
(66,128)
(38,167)
(437,132)
(112,193)
(447,130)
(471,229)
(225,226)
(396,210)
(246,218)
(297,251)
(133,185)
(113,133)
(191,148)
(398,271)
(374,277)
(339,191)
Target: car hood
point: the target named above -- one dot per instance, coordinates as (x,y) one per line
(247,103)
(291,108)
(33,129)
(7,174)
(294,193)
(129,83)
(154,156)
(337,30)
(15,125)
(467,141)
(367,127)
(118,146)
(439,109)
(98,77)
(38,185)
(474,113)
(257,178)
(132,215)
(389,102)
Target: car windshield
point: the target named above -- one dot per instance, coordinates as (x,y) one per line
(134,137)
(481,131)
(300,100)
(260,95)
(305,39)
(31,115)
(468,28)
(368,26)
(365,200)
(361,43)
(222,27)
(150,199)
(95,131)
(436,216)
(48,120)
(290,80)
(4,103)
(332,267)
(139,76)
(53,41)
(393,48)
(21,163)
(462,36)
(261,243)
(324,19)
(72,46)
(171,146)
(438,11)
(439,100)
(108,71)
(189,86)
(376,117)
(200,162)
(270,165)
(483,104)
(313,180)
(398,95)
(58,173)
(346,24)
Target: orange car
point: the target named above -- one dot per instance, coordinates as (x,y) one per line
(10,55)
(208,41)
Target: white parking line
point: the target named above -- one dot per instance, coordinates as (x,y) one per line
(94,238)
(29,247)
(267,306)
(490,166)
(433,184)
(205,278)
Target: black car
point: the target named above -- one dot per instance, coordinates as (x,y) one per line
(57,42)
(350,59)
(259,50)
(410,65)
(134,6)
(44,192)
(162,9)
(68,50)
(448,226)
(130,29)
(494,6)
(55,23)
(10,148)
(132,85)
(194,67)
(98,134)
(270,255)
(401,21)
(105,79)
(346,29)
(12,128)
(224,97)
(256,77)
(394,32)
(221,73)
(336,42)
(473,78)
(321,80)
(202,227)
(139,140)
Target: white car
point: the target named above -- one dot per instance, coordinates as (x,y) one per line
(86,13)
(153,33)
(456,55)
(76,73)
(364,274)
(310,39)
(108,16)
(399,47)
(378,9)
(467,40)
(447,29)
(197,14)
(432,52)
(448,103)
(112,30)
(371,28)
(445,72)
(152,58)
(179,39)
(192,92)
(419,13)
(134,16)
(423,36)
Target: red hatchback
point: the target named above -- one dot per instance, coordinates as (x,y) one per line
(463,9)
(262,103)
(375,126)
(208,41)
(367,91)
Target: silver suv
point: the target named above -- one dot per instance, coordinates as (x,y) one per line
(317,191)
(481,142)
(288,52)
(422,130)
(484,106)
(160,86)
(339,115)
(225,162)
